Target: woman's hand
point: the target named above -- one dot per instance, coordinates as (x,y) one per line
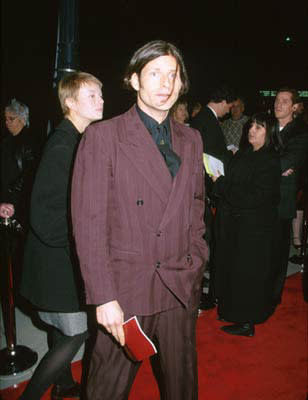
(6,210)
(288,172)
(214,178)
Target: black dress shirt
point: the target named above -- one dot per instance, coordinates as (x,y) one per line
(161,134)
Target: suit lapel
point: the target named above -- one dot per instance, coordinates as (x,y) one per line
(183,149)
(138,145)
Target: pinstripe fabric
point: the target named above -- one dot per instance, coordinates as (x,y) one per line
(139,238)
(111,373)
(138,233)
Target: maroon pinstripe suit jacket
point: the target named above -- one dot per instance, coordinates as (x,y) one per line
(139,234)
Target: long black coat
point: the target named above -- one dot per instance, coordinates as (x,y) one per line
(246,216)
(50,273)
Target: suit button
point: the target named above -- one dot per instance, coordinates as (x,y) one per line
(158,233)
(157,264)
(139,202)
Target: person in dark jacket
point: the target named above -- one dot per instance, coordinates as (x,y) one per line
(207,123)
(291,141)
(50,273)
(18,160)
(246,217)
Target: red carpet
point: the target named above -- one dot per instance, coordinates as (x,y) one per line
(270,366)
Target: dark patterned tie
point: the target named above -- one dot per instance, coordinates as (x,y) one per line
(162,140)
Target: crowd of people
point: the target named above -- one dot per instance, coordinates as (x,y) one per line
(122,214)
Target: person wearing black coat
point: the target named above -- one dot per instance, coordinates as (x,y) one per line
(291,141)
(244,226)
(18,160)
(50,276)
(207,123)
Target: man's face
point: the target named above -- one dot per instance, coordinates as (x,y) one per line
(283,107)
(158,86)
(237,109)
(13,123)
(89,103)
(224,109)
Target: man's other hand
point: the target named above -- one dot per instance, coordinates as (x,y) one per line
(111,316)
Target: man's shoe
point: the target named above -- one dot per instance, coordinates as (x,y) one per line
(59,393)
(245,329)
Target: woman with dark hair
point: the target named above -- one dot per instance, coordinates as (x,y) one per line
(246,215)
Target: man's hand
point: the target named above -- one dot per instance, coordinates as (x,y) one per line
(6,210)
(111,316)
(288,172)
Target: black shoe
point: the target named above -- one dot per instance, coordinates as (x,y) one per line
(245,329)
(59,393)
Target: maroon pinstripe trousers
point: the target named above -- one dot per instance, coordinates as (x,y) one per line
(111,373)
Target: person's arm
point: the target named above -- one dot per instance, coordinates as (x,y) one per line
(91,194)
(49,208)
(198,227)
(266,179)
(28,162)
(294,153)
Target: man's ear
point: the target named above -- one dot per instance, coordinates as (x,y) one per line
(134,80)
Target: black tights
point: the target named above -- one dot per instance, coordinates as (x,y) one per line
(55,366)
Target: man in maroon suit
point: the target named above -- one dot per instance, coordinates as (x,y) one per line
(137,208)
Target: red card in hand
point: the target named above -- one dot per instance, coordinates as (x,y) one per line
(137,344)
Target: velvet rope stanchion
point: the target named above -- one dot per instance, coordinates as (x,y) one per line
(14,358)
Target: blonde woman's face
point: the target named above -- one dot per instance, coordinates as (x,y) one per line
(181,113)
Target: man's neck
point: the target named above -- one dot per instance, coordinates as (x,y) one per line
(213,106)
(158,115)
(284,121)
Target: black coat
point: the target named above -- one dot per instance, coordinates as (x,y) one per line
(18,162)
(245,221)
(292,144)
(213,142)
(51,274)
(212,135)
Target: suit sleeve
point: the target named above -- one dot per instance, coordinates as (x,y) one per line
(91,189)
(295,152)
(48,216)
(212,137)
(198,227)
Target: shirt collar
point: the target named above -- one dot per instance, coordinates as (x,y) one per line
(213,111)
(150,122)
